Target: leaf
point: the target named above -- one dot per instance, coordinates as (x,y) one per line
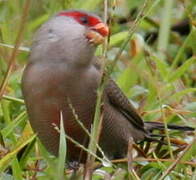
(182,69)
(162,67)
(16,169)
(127,79)
(137,90)
(189,41)
(24,140)
(130,75)
(13,124)
(117,38)
(62,150)
(182,93)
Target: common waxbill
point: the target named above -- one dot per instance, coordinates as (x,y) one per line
(62,70)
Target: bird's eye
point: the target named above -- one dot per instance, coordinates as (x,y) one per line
(84,20)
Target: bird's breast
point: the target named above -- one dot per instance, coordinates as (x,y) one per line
(50,90)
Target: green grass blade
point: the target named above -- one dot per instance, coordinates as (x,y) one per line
(17,172)
(4,162)
(13,124)
(181,50)
(182,69)
(164,31)
(62,150)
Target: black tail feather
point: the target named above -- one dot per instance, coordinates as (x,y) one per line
(150,126)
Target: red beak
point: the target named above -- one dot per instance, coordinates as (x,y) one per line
(101,28)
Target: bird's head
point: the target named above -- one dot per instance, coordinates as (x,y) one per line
(70,35)
(96,30)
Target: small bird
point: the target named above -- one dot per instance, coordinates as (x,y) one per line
(63,70)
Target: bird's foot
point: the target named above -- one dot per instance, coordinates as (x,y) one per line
(73,165)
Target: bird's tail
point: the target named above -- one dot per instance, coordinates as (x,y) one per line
(151,126)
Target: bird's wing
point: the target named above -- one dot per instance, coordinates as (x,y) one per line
(120,101)
(123,105)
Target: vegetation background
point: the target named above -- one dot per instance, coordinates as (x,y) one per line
(156,70)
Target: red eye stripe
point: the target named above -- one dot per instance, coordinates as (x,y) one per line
(92,21)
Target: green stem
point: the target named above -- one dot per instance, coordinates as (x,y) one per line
(164,30)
